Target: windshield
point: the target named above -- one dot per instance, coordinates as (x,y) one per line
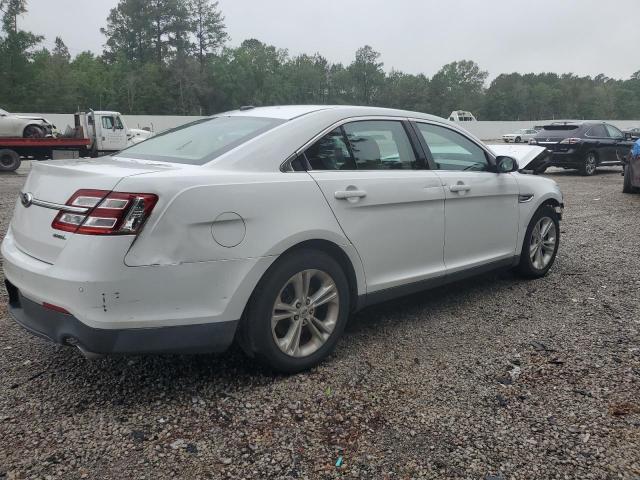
(201,141)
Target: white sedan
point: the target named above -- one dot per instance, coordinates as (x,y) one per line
(21,126)
(523,135)
(269,226)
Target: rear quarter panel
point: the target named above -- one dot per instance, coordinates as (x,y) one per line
(275,210)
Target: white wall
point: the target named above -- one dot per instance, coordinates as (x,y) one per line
(483,130)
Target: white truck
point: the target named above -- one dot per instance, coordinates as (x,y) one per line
(94,134)
(461,116)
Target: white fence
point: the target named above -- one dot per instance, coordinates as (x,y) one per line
(483,130)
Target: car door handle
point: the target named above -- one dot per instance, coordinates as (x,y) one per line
(347,194)
(459,187)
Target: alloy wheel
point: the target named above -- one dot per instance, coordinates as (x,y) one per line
(305,313)
(543,243)
(590,164)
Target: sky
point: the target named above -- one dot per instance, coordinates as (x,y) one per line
(586,37)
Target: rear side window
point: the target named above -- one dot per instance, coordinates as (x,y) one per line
(597,131)
(330,153)
(365,145)
(452,151)
(200,142)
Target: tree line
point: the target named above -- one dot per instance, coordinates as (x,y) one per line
(173,57)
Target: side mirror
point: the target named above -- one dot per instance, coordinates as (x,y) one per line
(506,164)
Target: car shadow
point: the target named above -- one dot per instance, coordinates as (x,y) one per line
(576,173)
(461,292)
(77,384)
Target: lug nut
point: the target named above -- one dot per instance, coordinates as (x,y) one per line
(298,305)
(296,317)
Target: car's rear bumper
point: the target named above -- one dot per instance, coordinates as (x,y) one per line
(113,308)
(566,159)
(65,329)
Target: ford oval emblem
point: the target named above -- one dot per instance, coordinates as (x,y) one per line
(26,199)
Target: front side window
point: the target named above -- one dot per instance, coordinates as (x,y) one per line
(364,145)
(201,141)
(107,122)
(452,151)
(380,145)
(119,123)
(614,132)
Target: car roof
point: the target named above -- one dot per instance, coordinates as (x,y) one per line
(300,125)
(289,112)
(579,122)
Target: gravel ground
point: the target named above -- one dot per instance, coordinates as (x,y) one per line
(491,378)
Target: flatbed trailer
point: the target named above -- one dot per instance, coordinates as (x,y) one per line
(94,134)
(14,150)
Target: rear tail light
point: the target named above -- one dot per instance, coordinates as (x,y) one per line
(105,213)
(571,141)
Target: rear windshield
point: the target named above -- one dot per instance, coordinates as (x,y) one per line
(561,127)
(201,141)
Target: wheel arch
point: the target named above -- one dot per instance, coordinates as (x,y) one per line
(595,153)
(547,201)
(31,124)
(351,267)
(552,202)
(338,254)
(550,199)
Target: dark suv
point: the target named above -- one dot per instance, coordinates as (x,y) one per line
(584,145)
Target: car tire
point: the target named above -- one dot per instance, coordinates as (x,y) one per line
(589,164)
(9,160)
(518,139)
(33,131)
(627,185)
(539,248)
(305,333)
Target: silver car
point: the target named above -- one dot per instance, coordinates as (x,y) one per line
(23,126)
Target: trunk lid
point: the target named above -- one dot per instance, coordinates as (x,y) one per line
(556,133)
(56,182)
